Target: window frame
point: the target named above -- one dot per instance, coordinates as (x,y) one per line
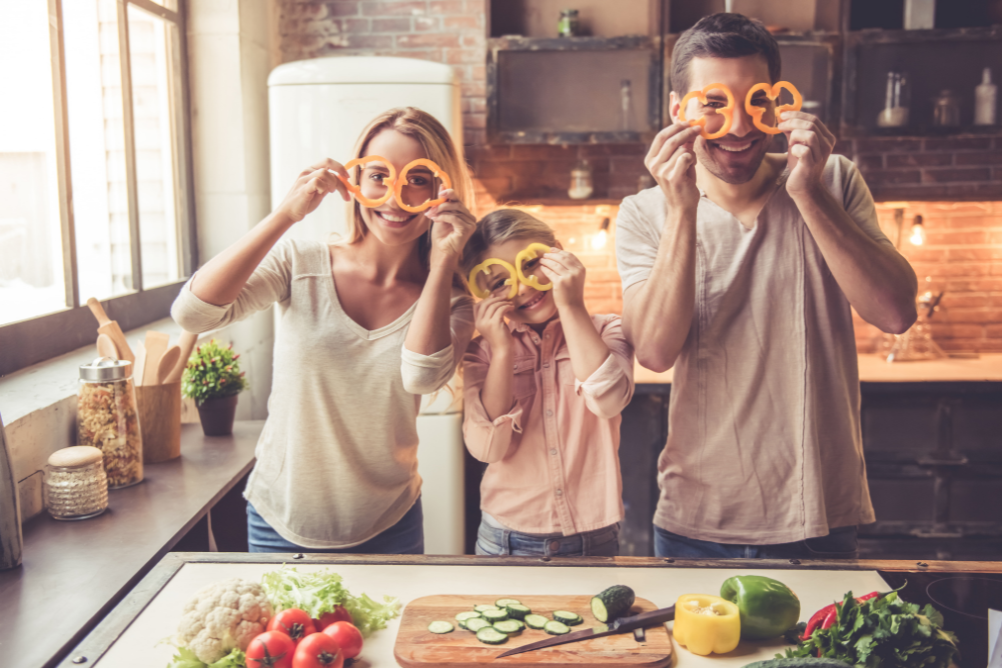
(34,340)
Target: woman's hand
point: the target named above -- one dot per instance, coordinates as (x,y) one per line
(313,184)
(567,274)
(489,320)
(452,226)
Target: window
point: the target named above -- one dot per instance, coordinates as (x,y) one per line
(95,190)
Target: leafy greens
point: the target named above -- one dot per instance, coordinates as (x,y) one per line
(882,632)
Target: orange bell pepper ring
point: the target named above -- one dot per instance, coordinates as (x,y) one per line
(727,112)
(531,252)
(483,267)
(435,170)
(772,92)
(356,190)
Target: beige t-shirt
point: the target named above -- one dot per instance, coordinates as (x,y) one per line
(764,442)
(337,459)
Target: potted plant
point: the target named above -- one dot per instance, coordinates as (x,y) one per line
(213,379)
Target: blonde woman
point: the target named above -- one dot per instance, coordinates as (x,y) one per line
(366,324)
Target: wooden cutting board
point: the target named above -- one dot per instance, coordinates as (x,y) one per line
(416,647)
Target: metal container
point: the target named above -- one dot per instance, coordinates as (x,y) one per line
(11,541)
(946,109)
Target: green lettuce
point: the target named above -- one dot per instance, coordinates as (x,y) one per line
(321,592)
(185,658)
(883,632)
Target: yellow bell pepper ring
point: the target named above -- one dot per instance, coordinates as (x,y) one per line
(530,252)
(707,624)
(727,112)
(772,92)
(482,267)
(427,204)
(356,190)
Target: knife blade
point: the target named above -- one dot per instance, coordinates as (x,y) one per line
(621,625)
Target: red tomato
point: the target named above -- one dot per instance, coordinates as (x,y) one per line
(347,636)
(271,649)
(328,618)
(294,623)
(318,651)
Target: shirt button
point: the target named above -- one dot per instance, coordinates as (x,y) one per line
(559,492)
(554,545)
(549,413)
(553,451)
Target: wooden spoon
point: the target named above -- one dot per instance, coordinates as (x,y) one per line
(167,363)
(106,347)
(186,344)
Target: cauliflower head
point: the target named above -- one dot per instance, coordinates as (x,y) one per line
(222,617)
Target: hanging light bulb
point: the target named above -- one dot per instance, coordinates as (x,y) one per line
(602,236)
(918,232)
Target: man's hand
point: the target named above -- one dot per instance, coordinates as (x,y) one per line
(568,277)
(811,144)
(672,163)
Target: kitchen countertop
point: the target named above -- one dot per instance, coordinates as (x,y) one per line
(152,611)
(75,572)
(872,369)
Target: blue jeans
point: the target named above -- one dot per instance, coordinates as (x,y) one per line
(599,543)
(404,537)
(840,543)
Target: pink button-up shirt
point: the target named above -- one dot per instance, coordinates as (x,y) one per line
(554,458)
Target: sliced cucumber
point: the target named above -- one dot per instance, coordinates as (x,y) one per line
(495,615)
(483,608)
(469,614)
(491,636)
(612,602)
(517,610)
(535,621)
(555,628)
(441,627)
(510,626)
(521,624)
(569,618)
(476,623)
(505,602)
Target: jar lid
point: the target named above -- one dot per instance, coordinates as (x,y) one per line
(76,455)
(106,368)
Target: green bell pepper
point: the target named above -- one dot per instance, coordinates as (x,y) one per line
(768,607)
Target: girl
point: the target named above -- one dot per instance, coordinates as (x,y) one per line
(543,394)
(365,325)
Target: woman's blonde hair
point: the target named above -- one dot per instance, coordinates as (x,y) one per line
(437,146)
(500,226)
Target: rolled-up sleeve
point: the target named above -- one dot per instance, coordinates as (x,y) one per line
(424,374)
(269,283)
(608,390)
(487,440)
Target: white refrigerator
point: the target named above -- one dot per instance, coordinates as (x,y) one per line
(317,109)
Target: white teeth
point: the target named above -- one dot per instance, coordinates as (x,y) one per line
(735,149)
(393,219)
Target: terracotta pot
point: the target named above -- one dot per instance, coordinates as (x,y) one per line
(217,415)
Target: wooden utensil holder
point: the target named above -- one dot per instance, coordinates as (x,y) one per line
(160,421)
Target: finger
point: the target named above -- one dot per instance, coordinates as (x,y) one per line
(802,153)
(550,274)
(817,125)
(809,139)
(680,166)
(332,165)
(553,264)
(677,132)
(682,142)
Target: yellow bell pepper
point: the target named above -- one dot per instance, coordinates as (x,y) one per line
(706,624)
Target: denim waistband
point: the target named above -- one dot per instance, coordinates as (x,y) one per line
(553,545)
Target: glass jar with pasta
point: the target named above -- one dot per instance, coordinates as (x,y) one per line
(107,419)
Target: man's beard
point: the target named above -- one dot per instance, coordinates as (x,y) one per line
(705,156)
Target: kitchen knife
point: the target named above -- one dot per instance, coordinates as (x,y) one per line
(621,625)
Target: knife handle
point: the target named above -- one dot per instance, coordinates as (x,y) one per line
(646,619)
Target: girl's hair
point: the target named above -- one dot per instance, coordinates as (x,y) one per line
(438,147)
(500,226)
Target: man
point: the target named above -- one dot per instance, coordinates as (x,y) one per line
(739,269)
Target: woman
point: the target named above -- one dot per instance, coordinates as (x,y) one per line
(366,324)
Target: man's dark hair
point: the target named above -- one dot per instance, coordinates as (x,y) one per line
(722,36)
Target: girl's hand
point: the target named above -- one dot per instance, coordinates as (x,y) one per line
(489,320)
(568,277)
(452,226)
(313,184)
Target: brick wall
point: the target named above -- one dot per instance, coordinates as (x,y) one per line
(963,255)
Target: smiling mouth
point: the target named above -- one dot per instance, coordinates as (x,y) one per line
(532,303)
(733,147)
(394,219)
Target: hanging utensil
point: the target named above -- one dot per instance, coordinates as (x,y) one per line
(11,540)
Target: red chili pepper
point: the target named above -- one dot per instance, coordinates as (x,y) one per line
(821,616)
